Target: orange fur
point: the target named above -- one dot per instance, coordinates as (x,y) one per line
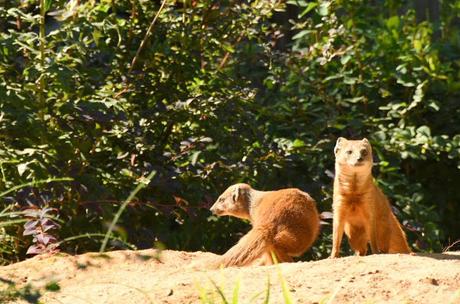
(284,222)
(361,210)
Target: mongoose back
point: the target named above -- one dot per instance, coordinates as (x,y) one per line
(360,208)
(284,222)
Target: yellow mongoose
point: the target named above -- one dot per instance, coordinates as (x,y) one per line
(361,210)
(284,222)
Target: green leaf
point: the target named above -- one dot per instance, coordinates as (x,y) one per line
(298,143)
(345,58)
(301,3)
(323,9)
(350,80)
(97,35)
(384,92)
(22,168)
(300,34)
(417,45)
(126,172)
(47,5)
(393,22)
(405,83)
(434,105)
(309,7)
(424,130)
(103,7)
(418,96)
(194,158)
(355,99)
(432,63)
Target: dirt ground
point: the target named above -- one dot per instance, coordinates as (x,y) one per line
(172,277)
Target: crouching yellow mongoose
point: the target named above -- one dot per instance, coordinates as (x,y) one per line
(284,222)
(360,208)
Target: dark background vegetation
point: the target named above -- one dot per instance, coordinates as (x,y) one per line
(221,92)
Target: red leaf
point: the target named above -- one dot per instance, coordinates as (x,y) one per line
(29,231)
(35,249)
(30,225)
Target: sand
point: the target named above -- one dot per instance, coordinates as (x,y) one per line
(147,276)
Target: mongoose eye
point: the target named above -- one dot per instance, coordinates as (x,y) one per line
(234,197)
(349,152)
(363,152)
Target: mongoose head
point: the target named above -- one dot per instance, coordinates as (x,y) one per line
(353,155)
(234,201)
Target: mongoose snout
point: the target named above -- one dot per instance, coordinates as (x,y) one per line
(216,209)
(233,202)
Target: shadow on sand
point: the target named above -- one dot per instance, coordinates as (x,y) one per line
(452,255)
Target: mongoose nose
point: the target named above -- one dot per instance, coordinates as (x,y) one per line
(214,209)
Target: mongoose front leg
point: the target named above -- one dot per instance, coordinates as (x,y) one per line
(337,234)
(373,235)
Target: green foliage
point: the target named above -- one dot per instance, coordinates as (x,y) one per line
(141,185)
(216,97)
(208,296)
(53,286)
(9,292)
(370,73)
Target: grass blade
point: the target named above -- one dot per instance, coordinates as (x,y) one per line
(35,183)
(140,186)
(236,291)
(254,297)
(220,292)
(12,222)
(267,294)
(286,293)
(203,296)
(92,235)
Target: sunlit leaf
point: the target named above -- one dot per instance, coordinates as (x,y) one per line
(47,4)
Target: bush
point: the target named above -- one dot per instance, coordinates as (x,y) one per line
(215,97)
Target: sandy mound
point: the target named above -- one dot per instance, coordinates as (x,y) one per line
(144,277)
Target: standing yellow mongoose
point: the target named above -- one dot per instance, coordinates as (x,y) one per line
(361,210)
(284,222)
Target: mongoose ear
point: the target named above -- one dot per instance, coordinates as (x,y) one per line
(236,193)
(365,141)
(340,140)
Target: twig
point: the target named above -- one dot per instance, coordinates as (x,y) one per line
(41,79)
(450,246)
(227,55)
(149,31)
